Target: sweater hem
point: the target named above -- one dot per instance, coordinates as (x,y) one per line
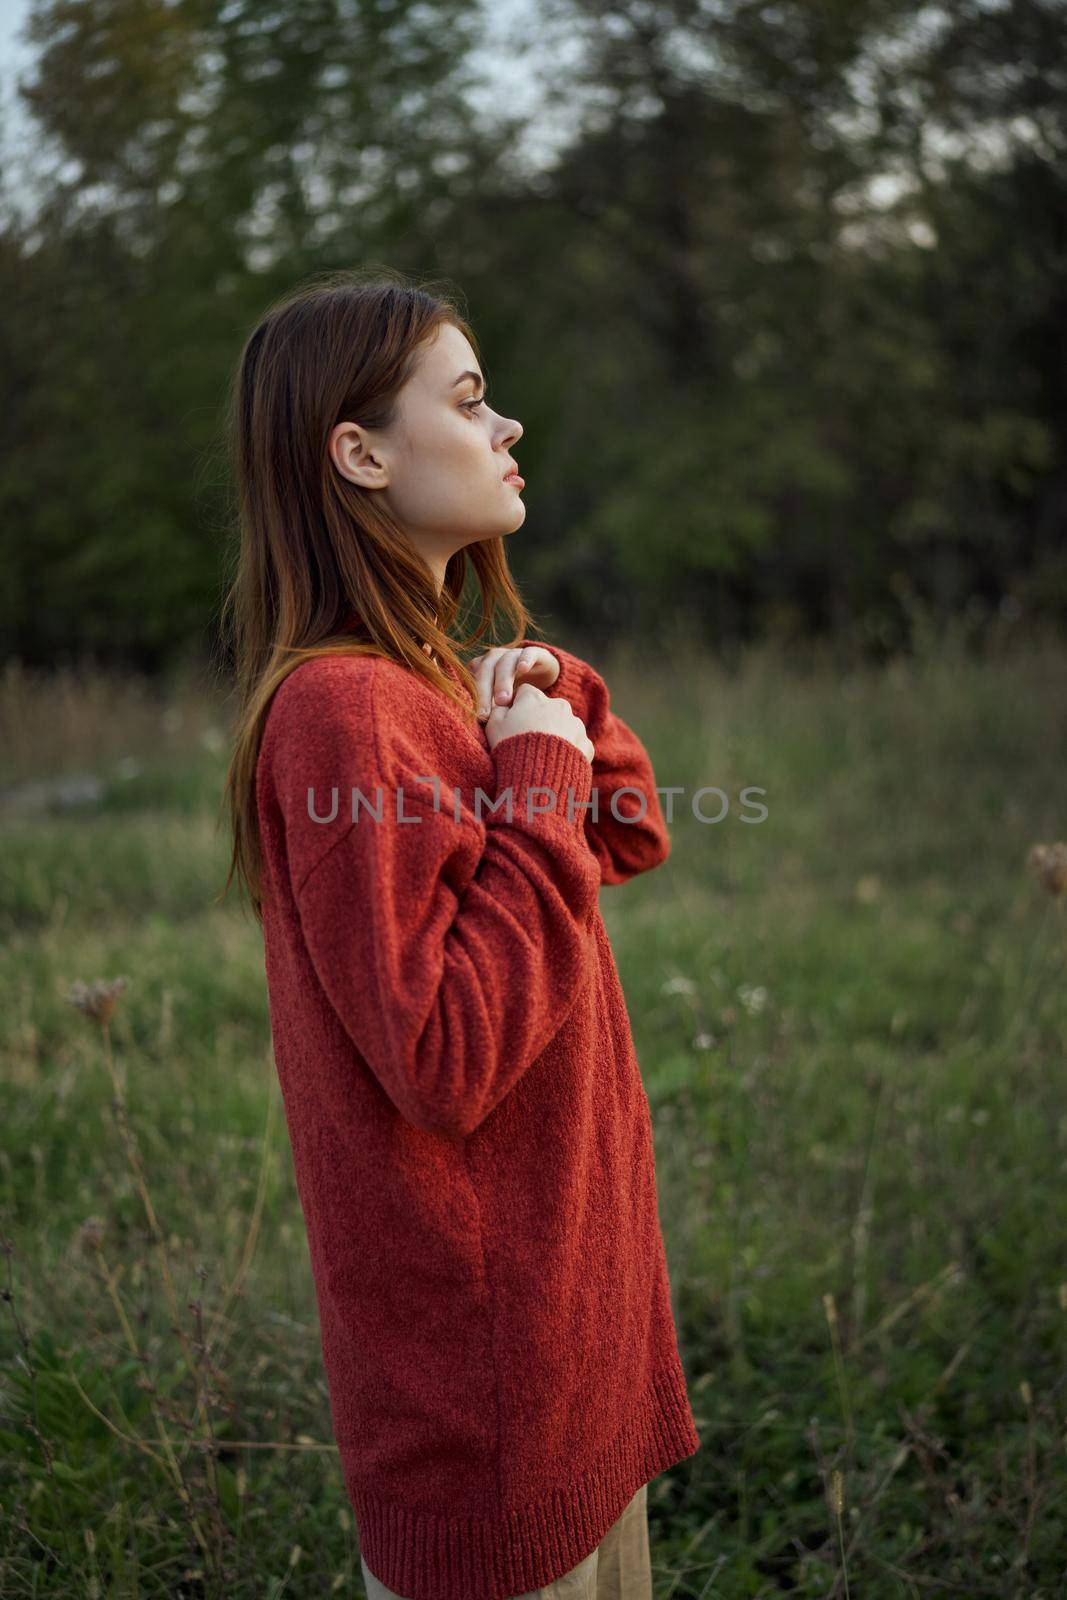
(427,1555)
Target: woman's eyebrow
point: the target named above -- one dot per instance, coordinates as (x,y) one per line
(475,375)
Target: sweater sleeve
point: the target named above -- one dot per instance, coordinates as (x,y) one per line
(450,950)
(628,833)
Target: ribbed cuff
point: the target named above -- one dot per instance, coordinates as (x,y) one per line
(570,684)
(547,775)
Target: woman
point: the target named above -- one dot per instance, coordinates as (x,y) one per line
(423,842)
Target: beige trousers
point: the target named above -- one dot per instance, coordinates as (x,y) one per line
(620,1568)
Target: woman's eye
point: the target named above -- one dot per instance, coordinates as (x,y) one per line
(470,405)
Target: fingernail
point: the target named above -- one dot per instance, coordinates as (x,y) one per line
(503,694)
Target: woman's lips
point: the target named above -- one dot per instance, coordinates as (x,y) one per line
(513,477)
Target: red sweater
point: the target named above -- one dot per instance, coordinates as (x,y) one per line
(470,1133)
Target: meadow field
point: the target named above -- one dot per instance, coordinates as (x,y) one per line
(851,1020)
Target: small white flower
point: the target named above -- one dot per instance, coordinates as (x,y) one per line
(679,986)
(753,997)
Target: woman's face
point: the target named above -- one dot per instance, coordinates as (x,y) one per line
(441,466)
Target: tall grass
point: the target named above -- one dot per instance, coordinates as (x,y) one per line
(851,1022)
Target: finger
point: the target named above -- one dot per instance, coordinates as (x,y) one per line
(508,667)
(482,668)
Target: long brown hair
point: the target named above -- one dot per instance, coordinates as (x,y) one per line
(322,568)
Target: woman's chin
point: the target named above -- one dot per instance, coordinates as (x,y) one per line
(510,523)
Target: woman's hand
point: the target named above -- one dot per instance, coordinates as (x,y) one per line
(499,671)
(533,711)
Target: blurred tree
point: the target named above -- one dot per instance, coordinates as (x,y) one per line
(784,318)
(208,153)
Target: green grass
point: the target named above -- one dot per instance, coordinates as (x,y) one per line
(851,1021)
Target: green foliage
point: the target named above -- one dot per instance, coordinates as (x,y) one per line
(850,1021)
(783,320)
